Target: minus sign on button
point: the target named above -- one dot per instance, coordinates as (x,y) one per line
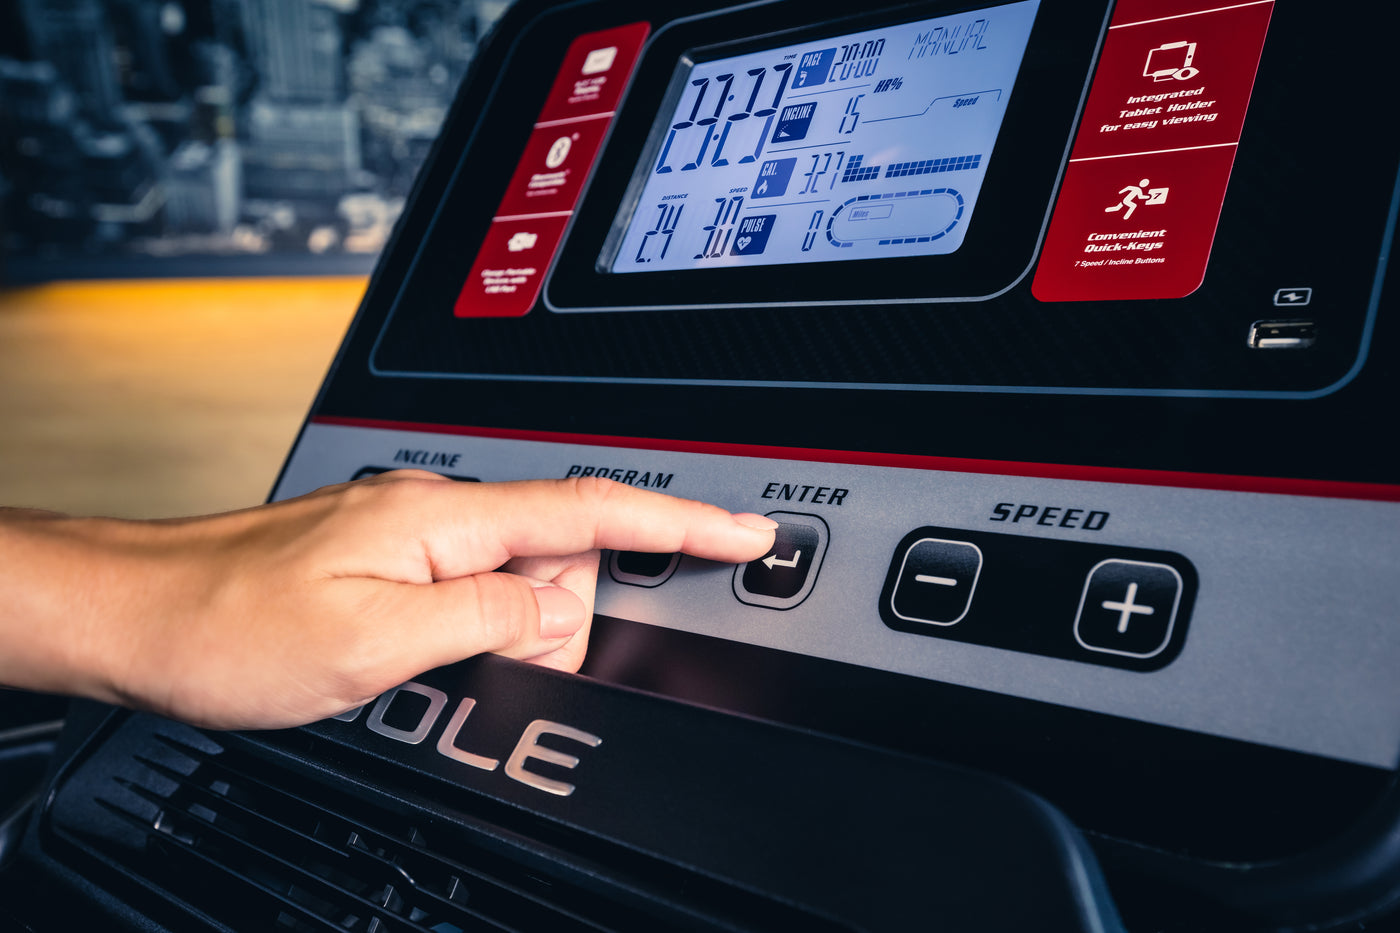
(941,581)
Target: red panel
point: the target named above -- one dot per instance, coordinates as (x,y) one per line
(1095,250)
(594,73)
(1138,210)
(505,279)
(553,167)
(1128,111)
(509,270)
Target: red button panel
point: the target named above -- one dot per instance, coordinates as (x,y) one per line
(506,278)
(552,168)
(509,269)
(594,72)
(1141,199)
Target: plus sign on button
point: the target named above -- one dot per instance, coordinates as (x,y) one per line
(1128,607)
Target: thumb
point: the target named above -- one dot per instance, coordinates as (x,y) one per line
(449,620)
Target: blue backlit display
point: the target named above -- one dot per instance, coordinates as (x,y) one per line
(864,145)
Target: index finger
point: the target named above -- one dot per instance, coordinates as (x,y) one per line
(541,518)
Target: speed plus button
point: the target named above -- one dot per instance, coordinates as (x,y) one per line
(1128,608)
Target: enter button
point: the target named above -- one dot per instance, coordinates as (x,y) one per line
(784,577)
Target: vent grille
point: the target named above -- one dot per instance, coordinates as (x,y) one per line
(251,844)
(318,870)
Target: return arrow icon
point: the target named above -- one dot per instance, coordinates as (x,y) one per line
(772,561)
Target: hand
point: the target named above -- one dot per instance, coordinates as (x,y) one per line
(298,610)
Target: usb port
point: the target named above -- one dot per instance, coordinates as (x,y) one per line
(1282,335)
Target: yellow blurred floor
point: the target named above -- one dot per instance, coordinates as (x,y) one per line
(153,399)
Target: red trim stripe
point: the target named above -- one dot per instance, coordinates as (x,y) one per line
(1275,485)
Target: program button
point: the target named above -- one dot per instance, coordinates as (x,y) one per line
(636,568)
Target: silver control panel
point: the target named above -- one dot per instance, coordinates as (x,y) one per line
(1249,615)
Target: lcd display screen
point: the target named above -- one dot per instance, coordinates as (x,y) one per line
(864,145)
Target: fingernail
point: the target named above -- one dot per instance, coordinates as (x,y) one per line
(759,522)
(561,612)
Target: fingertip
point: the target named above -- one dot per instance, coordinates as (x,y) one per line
(759,533)
(755,521)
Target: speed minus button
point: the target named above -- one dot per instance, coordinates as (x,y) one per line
(936,580)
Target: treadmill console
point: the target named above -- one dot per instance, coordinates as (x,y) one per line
(1058,337)
(1008,315)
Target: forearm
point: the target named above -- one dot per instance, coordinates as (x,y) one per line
(68,586)
(137,613)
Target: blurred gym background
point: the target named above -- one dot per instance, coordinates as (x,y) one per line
(192,195)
